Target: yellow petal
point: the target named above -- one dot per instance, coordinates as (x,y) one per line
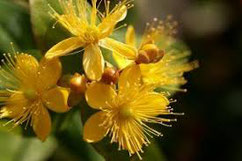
(99,95)
(26,68)
(56,99)
(154,104)
(121,61)
(109,22)
(120,14)
(64,47)
(41,123)
(14,106)
(130,37)
(49,72)
(94,12)
(93,131)
(120,48)
(129,81)
(93,62)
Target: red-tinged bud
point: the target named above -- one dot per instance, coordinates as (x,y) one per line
(149,53)
(142,58)
(159,56)
(110,76)
(78,84)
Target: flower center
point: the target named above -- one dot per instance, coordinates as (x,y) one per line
(126,112)
(30,94)
(91,34)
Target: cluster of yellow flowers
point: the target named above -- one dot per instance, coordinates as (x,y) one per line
(125,95)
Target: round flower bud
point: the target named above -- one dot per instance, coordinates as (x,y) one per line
(151,50)
(110,76)
(149,53)
(142,58)
(78,83)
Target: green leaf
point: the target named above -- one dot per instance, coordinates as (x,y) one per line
(5,39)
(5,126)
(33,149)
(42,24)
(17,148)
(68,129)
(14,27)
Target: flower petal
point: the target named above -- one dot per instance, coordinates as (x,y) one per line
(121,61)
(93,62)
(93,131)
(130,37)
(99,94)
(26,68)
(94,12)
(49,72)
(154,104)
(125,50)
(129,81)
(109,22)
(14,106)
(41,123)
(64,47)
(56,99)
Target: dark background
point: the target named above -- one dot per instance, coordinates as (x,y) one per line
(211,128)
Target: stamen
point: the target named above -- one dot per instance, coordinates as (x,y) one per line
(120,27)
(13,50)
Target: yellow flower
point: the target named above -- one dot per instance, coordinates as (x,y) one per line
(161,63)
(90,33)
(124,114)
(28,89)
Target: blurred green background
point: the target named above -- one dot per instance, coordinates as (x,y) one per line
(211,128)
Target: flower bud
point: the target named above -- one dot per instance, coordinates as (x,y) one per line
(142,58)
(78,83)
(149,53)
(110,76)
(151,50)
(74,99)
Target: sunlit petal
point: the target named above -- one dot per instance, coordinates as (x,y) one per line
(49,72)
(93,62)
(93,131)
(26,68)
(109,22)
(99,95)
(126,51)
(56,99)
(41,123)
(64,47)
(121,61)
(129,80)
(14,107)
(94,12)
(157,101)
(130,37)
